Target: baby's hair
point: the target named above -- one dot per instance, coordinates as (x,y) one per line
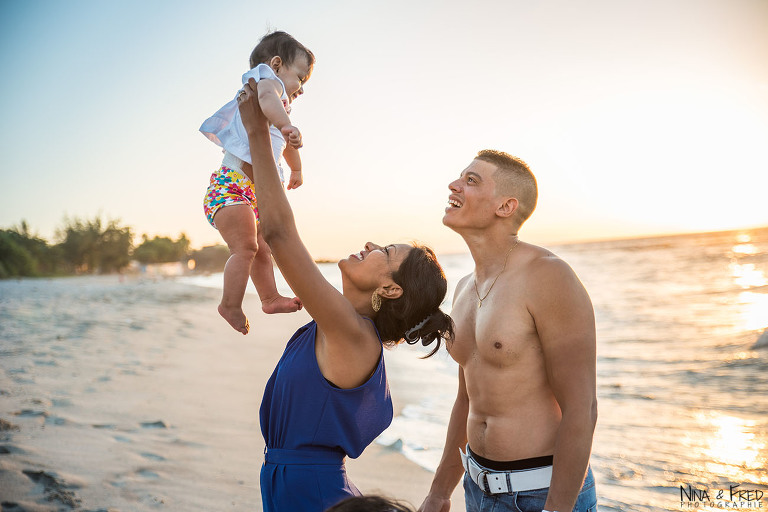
(281,44)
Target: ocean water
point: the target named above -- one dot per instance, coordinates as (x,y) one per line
(682,371)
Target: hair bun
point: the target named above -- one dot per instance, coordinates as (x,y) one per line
(409,334)
(434,328)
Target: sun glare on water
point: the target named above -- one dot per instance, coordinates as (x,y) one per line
(732,449)
(752,305)
(747,275)
(744,249)
(754,310)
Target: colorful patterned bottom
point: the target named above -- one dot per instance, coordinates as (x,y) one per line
(228,187)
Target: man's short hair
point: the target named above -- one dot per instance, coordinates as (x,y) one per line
(513,178)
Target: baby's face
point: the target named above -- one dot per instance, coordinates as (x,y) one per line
(295,75)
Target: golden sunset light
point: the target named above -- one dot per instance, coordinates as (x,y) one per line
(156,354)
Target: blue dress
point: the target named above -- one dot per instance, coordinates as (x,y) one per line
(310,426)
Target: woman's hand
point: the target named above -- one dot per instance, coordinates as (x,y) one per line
(253,118)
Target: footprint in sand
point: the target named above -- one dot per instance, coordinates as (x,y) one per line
(148,474)
(154,424)
(153,456)
(57,420)
(20,376)
(56,489)
(61,402)
(31,413)
(7,426)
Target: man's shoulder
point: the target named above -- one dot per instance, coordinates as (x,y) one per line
(550,281)
(463,282)
(542,267)
(461,286)
(541,259)
(460,293)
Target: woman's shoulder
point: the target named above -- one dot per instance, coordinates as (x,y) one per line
(369,321)
(361,331)
(349,359)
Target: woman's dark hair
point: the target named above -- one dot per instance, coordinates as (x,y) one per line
(281,44)
(369,504)
(416,314)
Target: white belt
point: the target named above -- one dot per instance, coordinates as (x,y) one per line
(498,482)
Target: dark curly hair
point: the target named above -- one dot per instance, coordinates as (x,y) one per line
(370,504)
(416,314)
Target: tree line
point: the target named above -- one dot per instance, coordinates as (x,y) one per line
(87,246)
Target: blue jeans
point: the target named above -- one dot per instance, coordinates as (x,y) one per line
(478,500)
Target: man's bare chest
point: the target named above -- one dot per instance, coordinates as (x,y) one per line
(491,335)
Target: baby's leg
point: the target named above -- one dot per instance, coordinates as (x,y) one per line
(263,277)
(237,226)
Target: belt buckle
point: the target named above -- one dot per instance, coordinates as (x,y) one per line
(485,486)
(501,482)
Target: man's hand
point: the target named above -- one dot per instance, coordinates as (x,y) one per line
(435,504)
(292,136)
(295,180)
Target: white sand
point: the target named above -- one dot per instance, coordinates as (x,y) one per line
(136,395)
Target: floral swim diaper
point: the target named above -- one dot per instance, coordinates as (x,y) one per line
(228,187)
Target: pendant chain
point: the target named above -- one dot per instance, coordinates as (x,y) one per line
(481,299)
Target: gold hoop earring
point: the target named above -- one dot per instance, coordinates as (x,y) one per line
(376,301)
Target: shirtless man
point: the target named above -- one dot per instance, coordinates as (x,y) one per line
(526,406)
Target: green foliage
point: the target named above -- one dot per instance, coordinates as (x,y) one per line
(211,258)
(115,248)
(24,254)
(161,250)
(15,260)
(90,246)
(93,245)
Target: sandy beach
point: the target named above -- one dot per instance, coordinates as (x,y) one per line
(122,394)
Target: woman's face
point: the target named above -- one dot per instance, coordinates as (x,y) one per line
(373,266)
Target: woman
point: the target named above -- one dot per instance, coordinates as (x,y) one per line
(328,397)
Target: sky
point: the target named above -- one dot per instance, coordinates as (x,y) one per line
(638,117)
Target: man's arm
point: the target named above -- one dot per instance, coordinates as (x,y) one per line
(565,324)
(450,470)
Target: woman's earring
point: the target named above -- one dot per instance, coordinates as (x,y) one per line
(376,301)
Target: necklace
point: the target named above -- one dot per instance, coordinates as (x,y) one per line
(481,299)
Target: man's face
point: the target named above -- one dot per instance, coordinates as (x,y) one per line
(472,202)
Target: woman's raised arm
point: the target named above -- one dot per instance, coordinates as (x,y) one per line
(332,312)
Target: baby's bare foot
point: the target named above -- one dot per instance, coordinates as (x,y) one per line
(280,304)
(236,318)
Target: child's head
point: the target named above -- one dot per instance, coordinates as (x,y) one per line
(290,60)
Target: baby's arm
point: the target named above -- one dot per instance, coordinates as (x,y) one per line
(293,159)
(272,106)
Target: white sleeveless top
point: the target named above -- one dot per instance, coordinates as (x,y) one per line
(225,127)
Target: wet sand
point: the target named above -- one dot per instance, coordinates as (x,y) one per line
(130,394)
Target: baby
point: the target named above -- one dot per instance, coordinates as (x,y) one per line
(281,66)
